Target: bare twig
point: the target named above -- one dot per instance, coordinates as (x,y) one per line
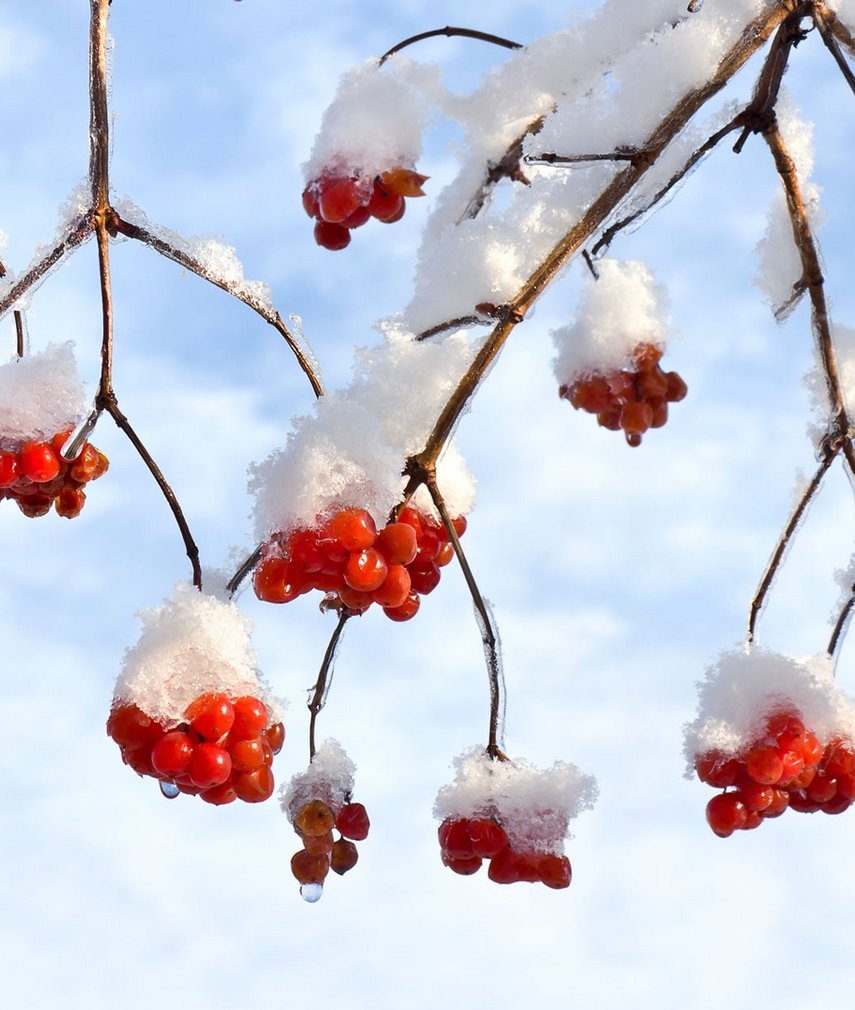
(838,29)
(821,20)
(449,32)
(19,333)
(548,158)
(184,259)
(452,324)
(486,625)
(322,684)
(507,167)
(785,539)
(234,582)
(841,625)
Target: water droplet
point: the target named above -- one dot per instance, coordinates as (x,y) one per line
(169,789)
(311,892)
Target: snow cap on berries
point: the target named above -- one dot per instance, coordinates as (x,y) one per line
(351,451)
(194,643)
(373,124)
(534,806)
(747,685)
(40,395)
(329,777)
(625,307)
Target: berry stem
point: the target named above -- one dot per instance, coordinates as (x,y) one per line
(486,624)
(449,32)
(20,342)
(324,681)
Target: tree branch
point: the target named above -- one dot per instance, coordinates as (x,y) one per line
(449,32)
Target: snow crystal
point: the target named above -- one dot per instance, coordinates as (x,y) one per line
(351,450)
(217,262)
(192,644)
(621,310)
(534,806)
(373,124)
(329,778)
(746,685)
(779,263)
(40,395)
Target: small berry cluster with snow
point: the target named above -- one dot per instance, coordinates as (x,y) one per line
(355,565)
(188,707)
(342,200)
(775,734)
(37,476)
(608,359)
(631,400)
(317,802)
(41,400)
(512,814)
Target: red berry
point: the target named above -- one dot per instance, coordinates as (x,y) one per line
(764,764)
(132,729)
(310,201)
(308,868)
(677,388)
(353,529)
(69,502)
(717,770)
(726,813)
(10,468)
(408,609)
(39,462)
(331,236)
(172,753)
(314,844)
(275,736)
(397,543)
(220,795)
(394,589)
(425,578)
(89,465)
(385,205)
(277,580)
(352,821)
(250,718)
(211,715)
(314,818)
(209,766)
(454,837)
(246,755)
(487,837)
(554,870)
(343,856)
(464,865)
(255,786)
(338,199)
(365,570)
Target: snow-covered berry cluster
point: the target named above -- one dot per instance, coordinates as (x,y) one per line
(513,815)
(37,476)
(188,707)
(632,399)
(356,565)
(318,802)
(341,200)
(774,734)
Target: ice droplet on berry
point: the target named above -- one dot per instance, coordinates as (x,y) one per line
(311,892)
(169,789)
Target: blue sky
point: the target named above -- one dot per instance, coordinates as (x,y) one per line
(616,575)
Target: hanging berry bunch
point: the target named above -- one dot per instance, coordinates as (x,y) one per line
(41,401)
(608,360)
(355,565)
(363,165)
(188,708)
(513,815)
(318,804)
(774,734)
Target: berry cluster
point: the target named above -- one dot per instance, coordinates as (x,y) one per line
(222,751)
(314,823)
(786,767)
(341,202)
(629,399)
(347,558)
(37,476)
(466,841)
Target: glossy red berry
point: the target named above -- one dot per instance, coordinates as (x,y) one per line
(353,822)
(211,715)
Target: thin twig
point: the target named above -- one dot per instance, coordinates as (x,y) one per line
(841,625)
(785,539)
(840,31)
(820,14)
(449,32)
(486,625)
(507,167)
(236,290)
(549,158)
(234,582)
(322,684)
(452,324)
(19,333)
(620,186)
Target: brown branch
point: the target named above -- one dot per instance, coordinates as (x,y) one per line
(19,333)
(324,681)
(837,28)
(184,259)
(246,567)
(821,18)
(784,540)
(99,123)
(486,625)
(77,232)
(620,186)
(841,625)
(549,158)
(449,32)
(452,324)
(507,167)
